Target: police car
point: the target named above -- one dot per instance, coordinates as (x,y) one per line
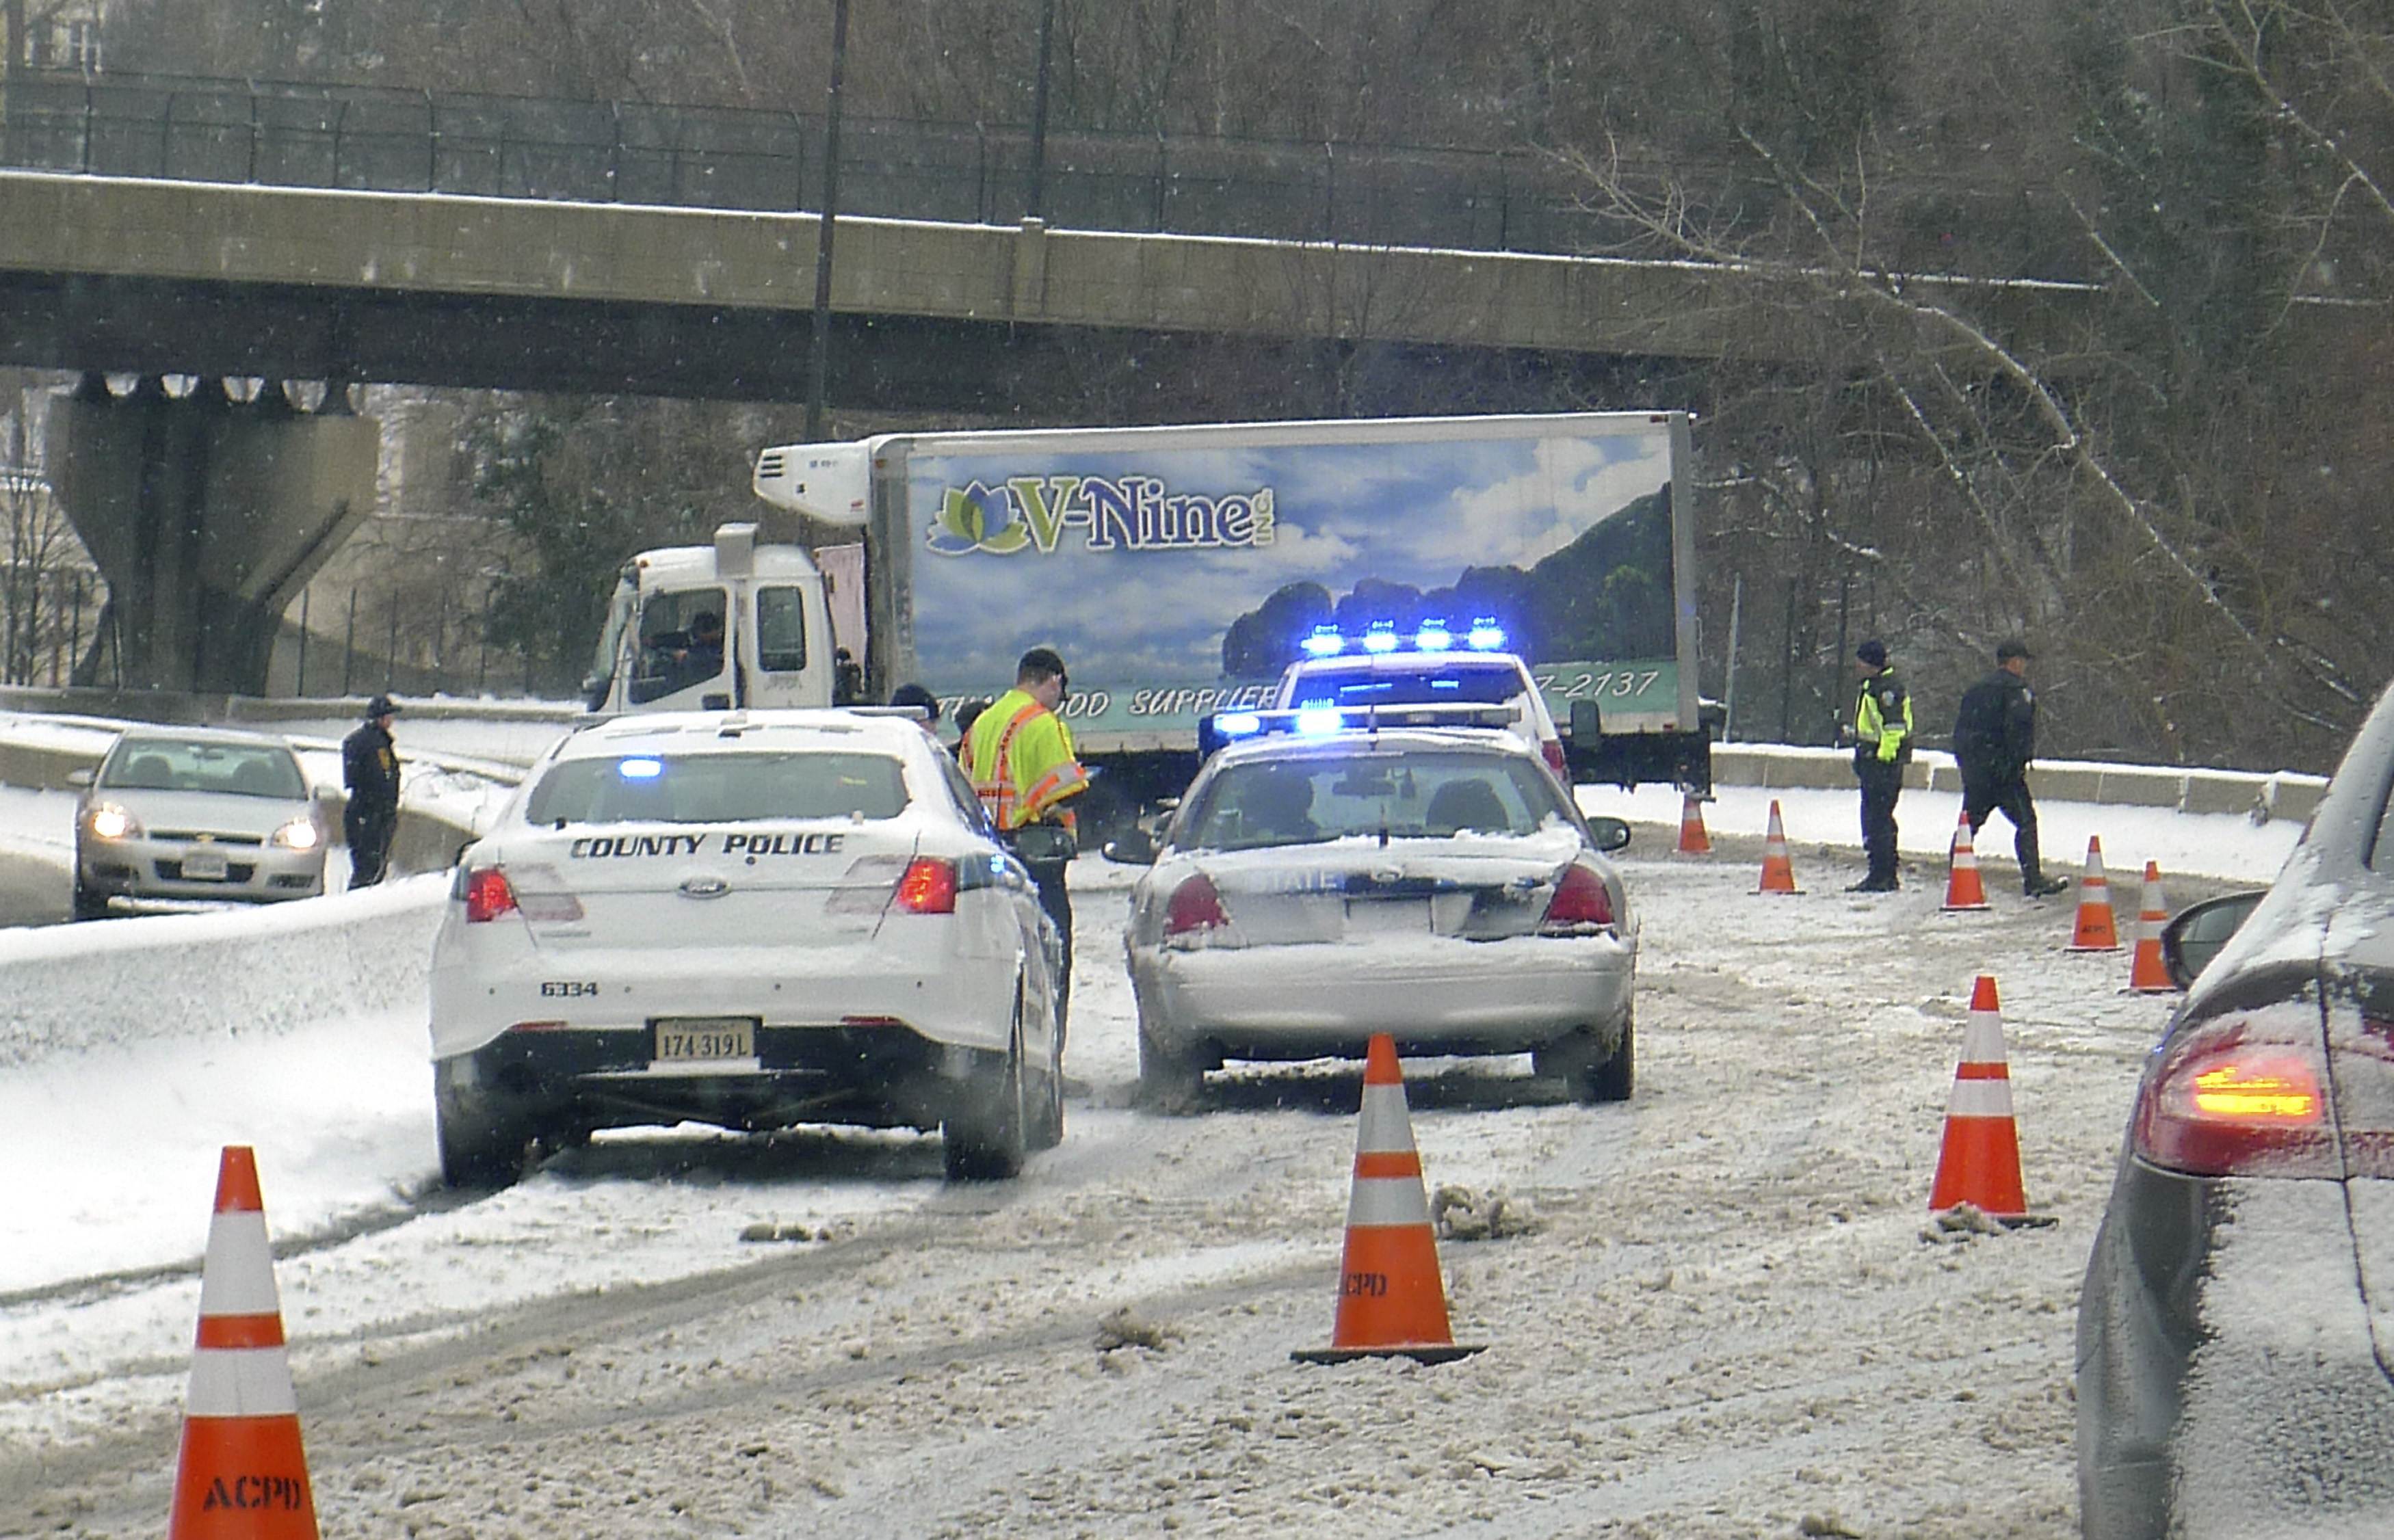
(1433,664)
(1411,870)
(750,919)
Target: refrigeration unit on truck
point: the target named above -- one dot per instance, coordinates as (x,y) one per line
(1180,570)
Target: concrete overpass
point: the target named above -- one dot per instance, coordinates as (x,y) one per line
(207,514)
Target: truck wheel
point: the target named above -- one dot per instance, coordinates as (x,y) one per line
(1170,1081)
(480,1147)
(1590,1074)
(983,1139)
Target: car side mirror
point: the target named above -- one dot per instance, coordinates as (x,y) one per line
(715,700)
(594,691)
(1587,722)
(2198,932)
(1132,847)
(325,794)
(1612,833)
(82,775)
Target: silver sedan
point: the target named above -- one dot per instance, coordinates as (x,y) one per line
(197,813)
(1439,886)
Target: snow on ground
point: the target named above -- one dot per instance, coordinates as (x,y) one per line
(1734,1319)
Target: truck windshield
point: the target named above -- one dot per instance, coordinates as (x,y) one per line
(683,642)
(717,788)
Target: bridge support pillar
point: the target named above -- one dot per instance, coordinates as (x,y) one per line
(206,516)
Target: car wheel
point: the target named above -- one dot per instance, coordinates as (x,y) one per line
(983,1139)
(89,903)
(1170,1081)
(1052,1120)
(480,1147)
(1590,1074)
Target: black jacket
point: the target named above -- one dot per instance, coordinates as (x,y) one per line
(1995,731)
(370,769)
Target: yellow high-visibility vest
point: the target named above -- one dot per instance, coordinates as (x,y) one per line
(1020,759)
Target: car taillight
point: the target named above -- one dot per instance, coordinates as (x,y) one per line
(1195,905)
(488,895)
(929,886)
(2244,1095)
(1555,760)
(1581,900)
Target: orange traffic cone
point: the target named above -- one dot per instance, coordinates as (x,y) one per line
(1778,871)
(2149,973)
(1391,1301)
(2095,930)
(243,1474)
(1693,841)
(1964,887)
(1979,1163)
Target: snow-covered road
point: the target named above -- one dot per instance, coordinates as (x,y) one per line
(1734,1317)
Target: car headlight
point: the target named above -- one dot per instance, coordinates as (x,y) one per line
(110,822)
(300,834)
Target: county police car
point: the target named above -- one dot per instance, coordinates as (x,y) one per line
(1411,870)
(751,919)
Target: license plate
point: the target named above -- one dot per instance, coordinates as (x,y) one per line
(204,865)
(1387,917)
(698,1039)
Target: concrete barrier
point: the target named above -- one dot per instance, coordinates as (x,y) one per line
(2259,797)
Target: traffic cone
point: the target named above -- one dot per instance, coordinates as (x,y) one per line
(1979,1163)
(1391,1301)
(243,1474)
(1693,841)
(1778,871)
(1964,887)
(2095,930)
(2148,972)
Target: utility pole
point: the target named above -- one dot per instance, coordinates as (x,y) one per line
(817,358)
(1036,206)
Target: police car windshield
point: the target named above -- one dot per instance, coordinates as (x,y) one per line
(1457,683)
(719,788)
(1420,795)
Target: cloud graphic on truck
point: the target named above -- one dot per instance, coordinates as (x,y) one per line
(1136,513)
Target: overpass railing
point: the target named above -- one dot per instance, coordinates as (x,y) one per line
(296,135)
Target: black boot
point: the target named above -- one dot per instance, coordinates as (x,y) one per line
(1875,883)
(2037,886)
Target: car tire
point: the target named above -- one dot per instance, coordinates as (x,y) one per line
(89,905)
(1170,1082)
(984,1139)
(480,1147)
(1049,1132)
(1590,1074)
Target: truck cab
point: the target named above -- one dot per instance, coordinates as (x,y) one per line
(716,628)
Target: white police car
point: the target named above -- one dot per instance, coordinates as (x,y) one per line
(750,919)
(1433,664)
(1406,870)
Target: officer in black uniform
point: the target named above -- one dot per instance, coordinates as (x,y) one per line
(1994,738)
(370,769)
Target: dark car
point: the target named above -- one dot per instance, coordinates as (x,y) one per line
(2234,1330)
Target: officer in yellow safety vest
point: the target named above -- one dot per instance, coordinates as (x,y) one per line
(1882,738)
(1019,755)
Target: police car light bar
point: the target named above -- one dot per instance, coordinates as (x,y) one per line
(1317,719)
(1381,637)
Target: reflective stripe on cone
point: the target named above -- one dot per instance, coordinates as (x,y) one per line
(1980,1162)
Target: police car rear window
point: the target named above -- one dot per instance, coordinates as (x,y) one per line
(1462,685)
(719,788)
(1417,795)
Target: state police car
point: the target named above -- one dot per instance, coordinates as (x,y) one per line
(750,919)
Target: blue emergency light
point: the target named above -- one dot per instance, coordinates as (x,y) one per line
(1238,724)
(1381,637)
(640,770)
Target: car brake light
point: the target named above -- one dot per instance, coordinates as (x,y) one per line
(929,886)
(1553,750)
(1195,905)
(1581,900)
(488,895)
(2243,1095)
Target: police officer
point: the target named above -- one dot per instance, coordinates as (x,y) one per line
(1019,755)
(1882,748)
(1994,738)
(370,769)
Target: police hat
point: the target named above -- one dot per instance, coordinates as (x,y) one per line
(381,706)
(1872,652)
(917,696)
(2010,647)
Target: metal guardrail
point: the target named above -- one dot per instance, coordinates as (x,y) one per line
(376,139)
